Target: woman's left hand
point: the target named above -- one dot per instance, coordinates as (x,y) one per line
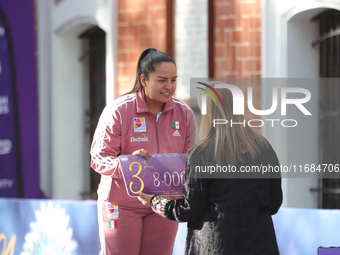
(142,153)
(145,199)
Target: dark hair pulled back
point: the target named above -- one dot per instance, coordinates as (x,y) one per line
(146,64)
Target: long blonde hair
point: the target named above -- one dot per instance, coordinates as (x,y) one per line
(227,140)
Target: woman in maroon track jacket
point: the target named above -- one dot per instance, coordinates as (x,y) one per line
(139,123)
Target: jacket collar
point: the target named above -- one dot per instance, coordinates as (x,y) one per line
(142,106)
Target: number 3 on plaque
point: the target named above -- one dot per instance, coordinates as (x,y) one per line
(140,168)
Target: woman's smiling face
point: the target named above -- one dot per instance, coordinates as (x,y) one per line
(160,86)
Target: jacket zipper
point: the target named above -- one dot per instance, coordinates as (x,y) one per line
(156,124)
(157,138)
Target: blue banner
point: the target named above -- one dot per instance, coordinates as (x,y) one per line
(39,227)
(19,137)
(10,170)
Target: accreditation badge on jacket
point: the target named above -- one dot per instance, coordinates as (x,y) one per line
(139,124)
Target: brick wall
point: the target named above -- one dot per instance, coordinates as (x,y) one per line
(141,24)
(237,38)
(237,44)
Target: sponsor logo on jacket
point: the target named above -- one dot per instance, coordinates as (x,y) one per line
(139,124)
(176,133)
(142,138)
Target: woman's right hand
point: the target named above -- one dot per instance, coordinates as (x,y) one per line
(142,153)
(145,199)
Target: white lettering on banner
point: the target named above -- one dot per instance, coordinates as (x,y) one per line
(5,146)
(238,102)
(4,108)
(6,183)
(139,139)
(293,122)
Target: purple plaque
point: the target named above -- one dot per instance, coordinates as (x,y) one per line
(328,250)
(161,174)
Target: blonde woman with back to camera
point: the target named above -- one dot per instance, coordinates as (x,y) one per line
(226,214)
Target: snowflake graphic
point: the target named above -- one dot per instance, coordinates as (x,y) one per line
(49,234)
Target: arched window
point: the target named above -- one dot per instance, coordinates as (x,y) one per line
(93,59)
(329,45)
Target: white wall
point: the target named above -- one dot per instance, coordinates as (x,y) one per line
(44,85)
(64,161)
(287,53)
(191,43)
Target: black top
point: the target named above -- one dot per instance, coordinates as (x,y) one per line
(229,215)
